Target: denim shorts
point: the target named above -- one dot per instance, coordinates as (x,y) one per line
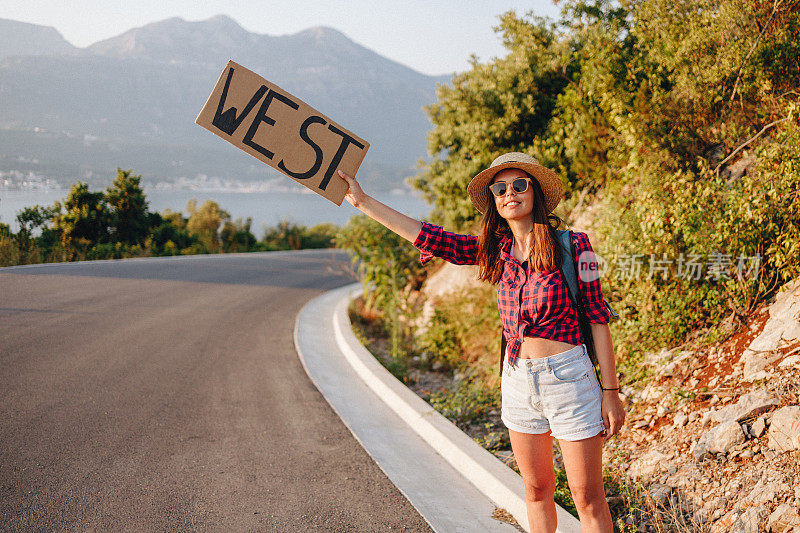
(559,393)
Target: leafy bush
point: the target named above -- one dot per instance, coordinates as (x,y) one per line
(287,235)
(386,263)
(465,331)
(470,402)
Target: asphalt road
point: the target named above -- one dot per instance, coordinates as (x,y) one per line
(166,394)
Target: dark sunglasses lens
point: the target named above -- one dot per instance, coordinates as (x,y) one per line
(498,189)
(520,184)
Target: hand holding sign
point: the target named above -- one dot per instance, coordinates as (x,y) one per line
(354,195)
(284,132)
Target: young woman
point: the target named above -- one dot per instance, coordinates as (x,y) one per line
(549,387)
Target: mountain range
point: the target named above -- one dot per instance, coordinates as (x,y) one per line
(130,101)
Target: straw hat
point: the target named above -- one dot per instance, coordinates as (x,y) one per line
(552,188)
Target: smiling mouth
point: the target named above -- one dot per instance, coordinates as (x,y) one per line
(514,202)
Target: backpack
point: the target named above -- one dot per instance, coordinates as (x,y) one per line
(569,272)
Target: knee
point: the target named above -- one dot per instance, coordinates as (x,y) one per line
(588,497)
(537,490)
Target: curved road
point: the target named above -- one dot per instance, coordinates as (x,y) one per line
(166,394)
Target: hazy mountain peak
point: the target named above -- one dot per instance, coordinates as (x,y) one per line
(323,32)
(223,20)
(21,38)
(177,39)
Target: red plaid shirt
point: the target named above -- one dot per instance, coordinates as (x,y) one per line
(531,304)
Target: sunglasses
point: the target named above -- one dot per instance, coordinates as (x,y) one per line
(500,188)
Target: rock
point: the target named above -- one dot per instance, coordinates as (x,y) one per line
(762,493)
(719,439)
(676,366)
(756,365)
(679,420)
(651,392)
(758,427)
(736,521)
(784,518)
(738,169)
(448,279)
(784,429)
(782,327)
(793,361)
(660,493)
(451,278)
(751,521)
(701,516)
(647,464)
(725,523)
(657,359)
(748,405)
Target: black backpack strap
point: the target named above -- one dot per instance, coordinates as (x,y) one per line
(502,349)
(569,272)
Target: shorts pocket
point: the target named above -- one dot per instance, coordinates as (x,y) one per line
(571,372)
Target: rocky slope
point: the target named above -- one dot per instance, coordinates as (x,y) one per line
(712,436)
(717,430)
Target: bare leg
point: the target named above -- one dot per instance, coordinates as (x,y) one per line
(583,461)
(534,456)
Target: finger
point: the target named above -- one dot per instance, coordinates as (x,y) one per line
(345,176)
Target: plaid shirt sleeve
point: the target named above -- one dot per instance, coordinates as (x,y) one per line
(456,248)
(590,286)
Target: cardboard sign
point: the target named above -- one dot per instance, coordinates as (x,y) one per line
(282,131)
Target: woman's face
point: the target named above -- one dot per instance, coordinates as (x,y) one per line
(513,205)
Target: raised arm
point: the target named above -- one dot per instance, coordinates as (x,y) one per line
(403,225)
(432,241)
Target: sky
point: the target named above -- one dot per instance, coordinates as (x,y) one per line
(433,37)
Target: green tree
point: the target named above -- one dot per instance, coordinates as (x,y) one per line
(285,235)
(205,222)
(237,237)
(31,219)
(130,219)
(84,218)
(36,238)
(492,108)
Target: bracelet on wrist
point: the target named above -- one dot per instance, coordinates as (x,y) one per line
(615,388)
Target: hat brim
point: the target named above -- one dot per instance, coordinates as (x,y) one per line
(553,189)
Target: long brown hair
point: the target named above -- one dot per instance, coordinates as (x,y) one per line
(544,254)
